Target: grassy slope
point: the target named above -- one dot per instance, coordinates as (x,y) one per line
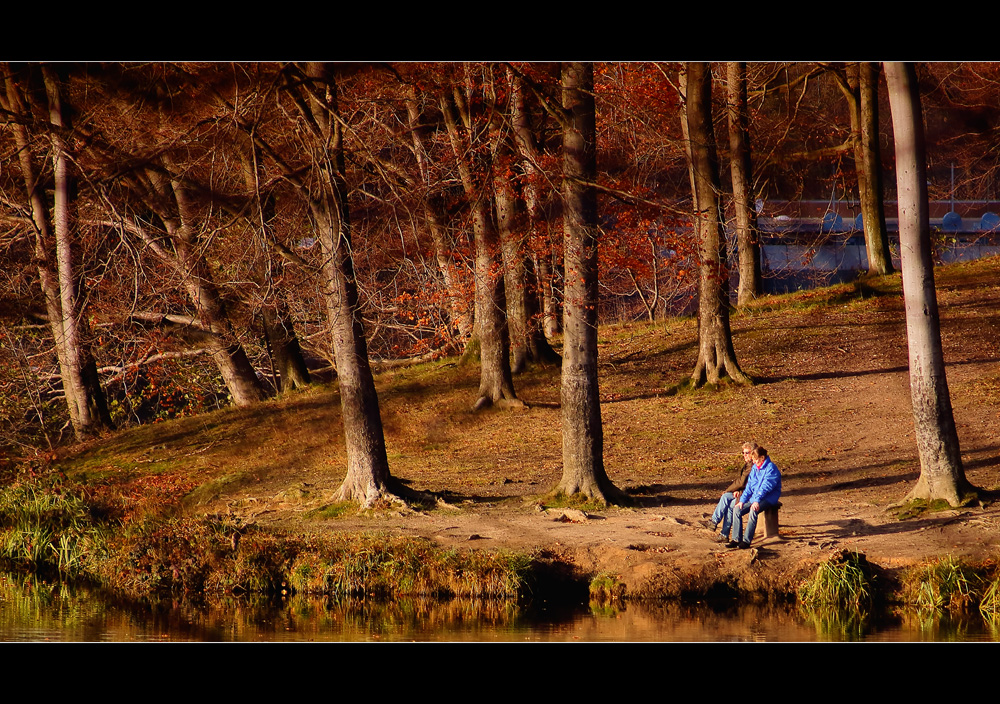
(798,345)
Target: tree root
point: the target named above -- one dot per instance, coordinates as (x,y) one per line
(501,403)
(391,494)
(604,493)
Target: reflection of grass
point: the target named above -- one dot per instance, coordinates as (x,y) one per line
(838,598)
(835,623)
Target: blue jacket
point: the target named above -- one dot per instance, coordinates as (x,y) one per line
(763,486)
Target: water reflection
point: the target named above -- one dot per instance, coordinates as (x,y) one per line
(36,611)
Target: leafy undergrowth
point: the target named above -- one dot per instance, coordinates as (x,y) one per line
(50,526)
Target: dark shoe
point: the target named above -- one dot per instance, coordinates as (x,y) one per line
(744,546)
(711,526)
(732,544)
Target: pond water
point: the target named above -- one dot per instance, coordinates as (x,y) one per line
(31,612)
(791,265)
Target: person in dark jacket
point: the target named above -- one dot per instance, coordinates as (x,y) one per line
(724,510)
(762,492)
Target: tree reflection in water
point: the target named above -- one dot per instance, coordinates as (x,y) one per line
(32,610)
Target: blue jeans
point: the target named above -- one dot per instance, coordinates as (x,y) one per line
(737,527)
(724,512)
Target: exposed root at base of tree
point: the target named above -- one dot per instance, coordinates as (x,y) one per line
(704,377)
(963,495)
(391,494)
(502,403)
(606,495)
(689,384)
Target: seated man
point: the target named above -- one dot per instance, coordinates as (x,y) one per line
(724,510)
(762,492)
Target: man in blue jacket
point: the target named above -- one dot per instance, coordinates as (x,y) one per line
(762,492)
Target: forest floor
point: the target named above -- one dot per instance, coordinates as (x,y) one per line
(831,405)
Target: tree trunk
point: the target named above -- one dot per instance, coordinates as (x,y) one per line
(870,173)
(548,272)
(496,385)
(285,350)
(368,478)
(747,234)
(861,90)
(227,352)
(941,472)
(457,305)
(514,271)
(165,193)
(279,331)
(583,434)
(60,282)
(716,356)
(537,286)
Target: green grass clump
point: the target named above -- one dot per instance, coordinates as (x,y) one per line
(919,507)
(44,525)
(944,584)
(845,580)
(605,587)
(989,603)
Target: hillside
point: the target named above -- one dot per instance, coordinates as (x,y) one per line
(831,405)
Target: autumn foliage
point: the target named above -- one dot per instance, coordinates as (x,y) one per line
(191,214)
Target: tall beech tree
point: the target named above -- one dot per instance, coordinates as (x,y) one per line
(279,330)
(527,341)
(716,356)
(314,166)
(313,91)
(747,235)
(870,175)
(941,473)
(469,141)
(54,226)
(434,215)
(860,87)
(583,432)
(164,205)
(531,278)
